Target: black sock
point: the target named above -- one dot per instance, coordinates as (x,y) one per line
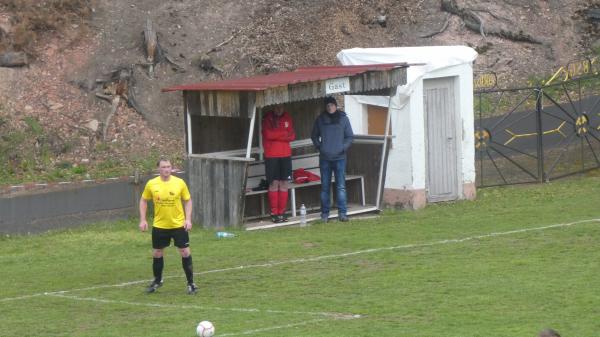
(157,267)
(188,268)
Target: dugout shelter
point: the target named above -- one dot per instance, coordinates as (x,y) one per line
(224,146)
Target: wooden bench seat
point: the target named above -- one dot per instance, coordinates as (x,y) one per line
(309,162)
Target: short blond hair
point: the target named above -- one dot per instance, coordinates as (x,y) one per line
(161,159)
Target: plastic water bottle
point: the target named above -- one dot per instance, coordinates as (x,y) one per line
(225,235)
(302,215)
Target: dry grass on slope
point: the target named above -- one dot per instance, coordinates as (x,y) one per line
(25,22)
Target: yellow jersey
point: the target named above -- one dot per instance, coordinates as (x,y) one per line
(167,196)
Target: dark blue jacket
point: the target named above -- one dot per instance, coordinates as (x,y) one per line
(332,135)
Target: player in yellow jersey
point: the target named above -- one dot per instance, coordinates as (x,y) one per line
(172,220)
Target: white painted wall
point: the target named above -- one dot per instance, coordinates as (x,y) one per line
(407,158)
(400,161)
(357,114)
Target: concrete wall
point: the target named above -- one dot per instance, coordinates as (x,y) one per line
(70,206)
(40,211)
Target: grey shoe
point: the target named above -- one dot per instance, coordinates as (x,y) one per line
(154,286)
(192,289)
(325,218)
(344,218)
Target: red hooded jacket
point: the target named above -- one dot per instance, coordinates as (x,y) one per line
(277,134)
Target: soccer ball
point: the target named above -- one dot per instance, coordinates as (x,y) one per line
(205,329)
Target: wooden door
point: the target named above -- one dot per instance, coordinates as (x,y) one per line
(376,117)
(441,139)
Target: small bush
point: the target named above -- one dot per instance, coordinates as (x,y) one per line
(108,164)
(145,163)
(34,125)
(55,175)
(78,170)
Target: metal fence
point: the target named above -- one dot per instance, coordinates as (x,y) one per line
(537,134)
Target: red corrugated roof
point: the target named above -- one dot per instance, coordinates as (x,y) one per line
(300,75)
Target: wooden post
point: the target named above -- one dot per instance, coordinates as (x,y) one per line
(186,124)
(188,128)
(385,141)
(261,153)
(251,131)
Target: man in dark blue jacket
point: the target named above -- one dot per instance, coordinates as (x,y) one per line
(332,136)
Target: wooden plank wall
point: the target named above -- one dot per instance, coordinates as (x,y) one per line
(365,159)
(359,84)
(215,134)
(377,80)
(220,103)
(239,103)
(217,189)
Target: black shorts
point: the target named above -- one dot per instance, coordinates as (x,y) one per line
(161,238)
(278,169)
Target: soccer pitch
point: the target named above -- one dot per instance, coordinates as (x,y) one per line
(517,260)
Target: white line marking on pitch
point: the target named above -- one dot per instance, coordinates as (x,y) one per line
(334,315)
(323,257)
(21,297)
(291,325)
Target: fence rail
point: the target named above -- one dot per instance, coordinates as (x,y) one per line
(537,134)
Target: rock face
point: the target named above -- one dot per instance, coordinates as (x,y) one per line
(7,77)
(92,125)
(211,39)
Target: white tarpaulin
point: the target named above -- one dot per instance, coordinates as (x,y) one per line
(423,60)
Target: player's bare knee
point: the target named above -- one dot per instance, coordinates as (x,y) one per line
(185,252)
(274,186)
(157,253)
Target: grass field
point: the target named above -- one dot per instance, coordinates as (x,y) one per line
(515,261)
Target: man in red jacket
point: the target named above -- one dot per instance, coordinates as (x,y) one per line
(277,133)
